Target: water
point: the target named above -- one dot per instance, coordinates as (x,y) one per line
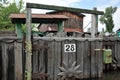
(114,75)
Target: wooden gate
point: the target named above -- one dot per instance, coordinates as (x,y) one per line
(49,55)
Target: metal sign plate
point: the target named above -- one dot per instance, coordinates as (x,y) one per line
(69,47)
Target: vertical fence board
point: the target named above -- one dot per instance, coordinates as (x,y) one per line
(86,56)
(80,53)
(65,54)
(93,61)
(99,59)
(118,53)
(113,53)
(11,61)
(4,61)
(72,55)
(1,61)
(57,58)
(35,57)
(35,62)
(41,57)
(18,61)
(51,59)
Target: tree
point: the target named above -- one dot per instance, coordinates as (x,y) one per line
(7,8)
(107,18)
(4,1)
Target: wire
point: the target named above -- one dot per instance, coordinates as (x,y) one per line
(87,25)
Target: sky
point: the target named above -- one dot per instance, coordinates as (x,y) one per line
(84,4)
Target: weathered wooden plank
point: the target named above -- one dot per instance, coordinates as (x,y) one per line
(35,57)
(62,57)
(65,54)
(42,56)
(0,61)
(99,59)
(11,61)
(80,53)
(93,60)
(35,63)
(50,68)
(113,53)
(52,7)
(18,61)
(4,61)
(86,59)
(57,58)
(119,51)
(116,51)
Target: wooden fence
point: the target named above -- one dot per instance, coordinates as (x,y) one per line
(11,59)
(112,43)
(49,55)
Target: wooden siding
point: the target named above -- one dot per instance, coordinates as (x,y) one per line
(74,20)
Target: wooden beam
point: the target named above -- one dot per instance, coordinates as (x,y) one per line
(52,7)
(28,45)
(94,24)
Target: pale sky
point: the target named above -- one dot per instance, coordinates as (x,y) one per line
(84,4)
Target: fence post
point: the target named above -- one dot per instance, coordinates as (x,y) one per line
(28,45)
(94,26)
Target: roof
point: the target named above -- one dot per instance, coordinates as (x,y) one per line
(79,14)
(118,29)
(38,18)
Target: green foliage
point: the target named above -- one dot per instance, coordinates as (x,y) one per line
(5,10)
(107,18)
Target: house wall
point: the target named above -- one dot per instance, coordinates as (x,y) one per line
(75,20)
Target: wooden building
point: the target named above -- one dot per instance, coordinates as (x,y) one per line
(19,19)
(73,24)
(75,19)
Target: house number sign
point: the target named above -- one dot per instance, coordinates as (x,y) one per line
(69,47)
